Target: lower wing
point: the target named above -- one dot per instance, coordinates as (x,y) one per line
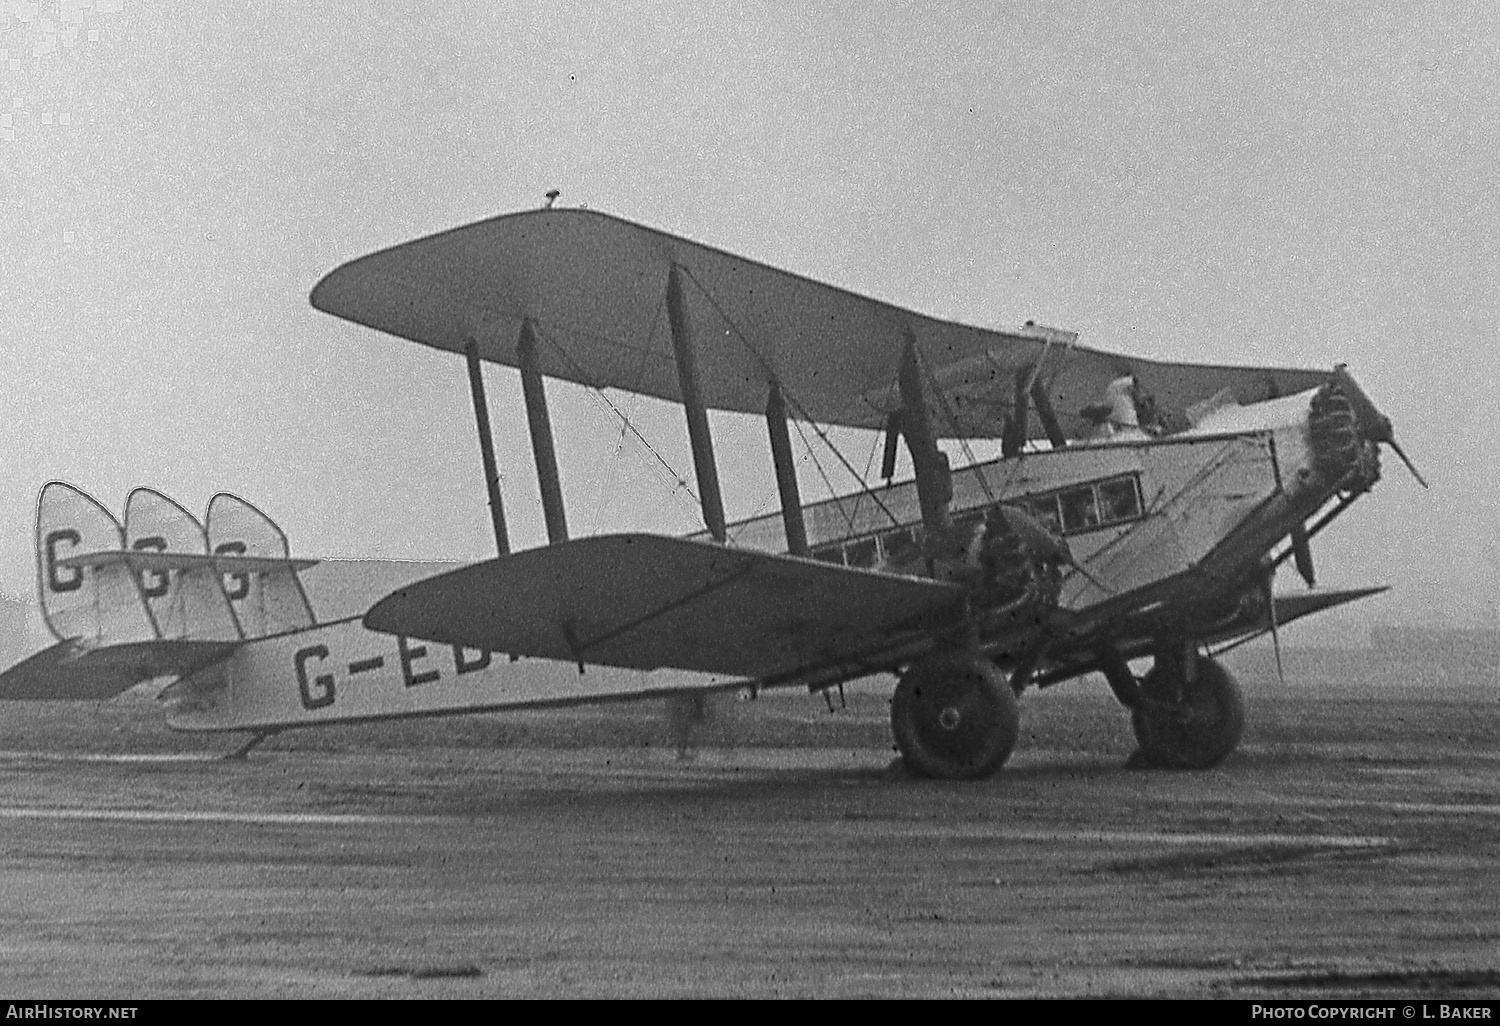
(644,602)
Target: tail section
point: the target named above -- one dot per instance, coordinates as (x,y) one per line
(187,603)
(157,597)
(270,600)
(96,603)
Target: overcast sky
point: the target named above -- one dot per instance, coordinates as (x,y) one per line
(1297,184)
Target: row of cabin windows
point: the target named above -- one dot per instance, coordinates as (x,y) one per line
(1073,510)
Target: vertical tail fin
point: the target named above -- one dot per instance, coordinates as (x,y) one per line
(97,604)
(188,603)
(266,602)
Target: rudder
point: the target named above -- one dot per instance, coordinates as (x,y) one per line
(188,603)
(266,601)
(96,604)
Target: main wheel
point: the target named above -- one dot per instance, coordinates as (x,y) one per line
(955,718)
(1199,730)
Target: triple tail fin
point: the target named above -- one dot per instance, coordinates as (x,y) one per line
(267,601)
(94,604)
(188,603)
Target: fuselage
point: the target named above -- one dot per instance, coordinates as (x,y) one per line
(1142,516)
(1161,529)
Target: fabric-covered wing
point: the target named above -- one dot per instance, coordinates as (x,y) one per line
(594,288)
(645,602)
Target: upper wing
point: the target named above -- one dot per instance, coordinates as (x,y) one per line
(643,602)
(594,288)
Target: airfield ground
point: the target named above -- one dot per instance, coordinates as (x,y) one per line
(1352,847)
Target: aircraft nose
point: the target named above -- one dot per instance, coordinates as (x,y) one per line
(1373,424)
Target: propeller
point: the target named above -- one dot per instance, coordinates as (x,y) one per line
(1302,554)
(1377,426)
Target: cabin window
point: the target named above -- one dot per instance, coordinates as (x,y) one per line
(829,553)
(1080,509)
(1119,500)
(860,553)
(1044,508)
(1105,502)
(899,545)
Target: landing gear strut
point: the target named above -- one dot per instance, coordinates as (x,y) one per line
(1190,714)
(955,717)
(242,753)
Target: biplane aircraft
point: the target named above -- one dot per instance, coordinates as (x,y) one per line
(1139,509)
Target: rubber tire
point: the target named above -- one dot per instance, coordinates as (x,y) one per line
(1212,729)
(983,716)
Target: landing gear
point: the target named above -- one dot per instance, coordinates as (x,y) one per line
(242,753)
(955,717)
(1190,714)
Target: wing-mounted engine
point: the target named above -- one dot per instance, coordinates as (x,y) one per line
(1019,564)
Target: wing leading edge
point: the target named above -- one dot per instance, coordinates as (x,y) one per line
(646,602)
(593,286)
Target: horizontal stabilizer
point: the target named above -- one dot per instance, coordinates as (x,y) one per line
(644,602)
(1250,620)
(161,562)
(72,671)
(1299,604)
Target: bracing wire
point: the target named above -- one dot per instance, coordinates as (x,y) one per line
(827,483)
(760,511)
(865,488)
(678,482)
(790,397)
(860,497)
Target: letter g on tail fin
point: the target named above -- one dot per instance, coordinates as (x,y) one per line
(187,602)
(267,601)
(97,604)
